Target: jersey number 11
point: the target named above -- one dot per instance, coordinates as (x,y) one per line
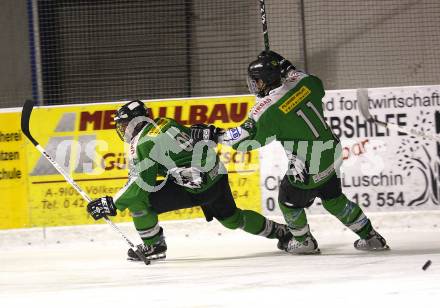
(309,123)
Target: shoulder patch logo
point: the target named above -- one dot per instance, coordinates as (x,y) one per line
(133,149)
(234,133)
(293,75)
(295,99)
(155,131)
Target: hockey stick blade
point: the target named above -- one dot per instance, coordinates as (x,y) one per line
(141,256)
(25,119)
(362,99)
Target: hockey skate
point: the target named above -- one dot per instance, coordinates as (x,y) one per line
(283,234)
(374,242)
(306,247)
(151,252)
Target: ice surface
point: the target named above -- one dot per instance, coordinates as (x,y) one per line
(208,266)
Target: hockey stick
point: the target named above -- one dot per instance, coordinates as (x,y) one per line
(362,98)
(264,23)
(25,120)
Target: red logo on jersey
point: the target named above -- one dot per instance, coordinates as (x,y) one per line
(261,105)
(133,147)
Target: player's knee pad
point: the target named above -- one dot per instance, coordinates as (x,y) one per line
(348,212)
(294,217)
(143,217)
(336,205)
(138,209)
(234,221)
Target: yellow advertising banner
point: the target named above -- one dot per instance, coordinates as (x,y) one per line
(82,139)
(14,210)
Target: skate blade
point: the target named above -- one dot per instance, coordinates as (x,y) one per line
(159,256)
(385,248)
(317,251)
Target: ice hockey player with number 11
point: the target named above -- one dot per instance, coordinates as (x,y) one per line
(162,147)
(289,109)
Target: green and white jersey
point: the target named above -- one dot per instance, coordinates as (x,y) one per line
(292,114)
(163,148)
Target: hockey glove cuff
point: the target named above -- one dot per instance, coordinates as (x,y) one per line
(101,207)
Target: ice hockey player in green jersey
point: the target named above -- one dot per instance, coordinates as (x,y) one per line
(193,176)
(289,109)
